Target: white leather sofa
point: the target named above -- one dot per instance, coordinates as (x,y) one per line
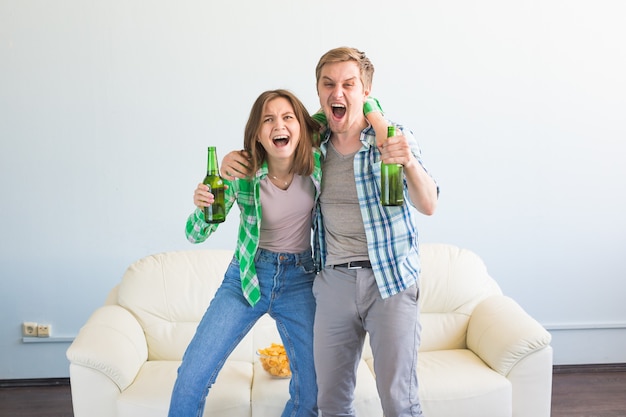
(482,355)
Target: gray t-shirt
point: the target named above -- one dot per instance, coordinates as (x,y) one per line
(343,223)
(287,215)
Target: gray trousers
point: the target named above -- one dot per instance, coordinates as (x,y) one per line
(349,305)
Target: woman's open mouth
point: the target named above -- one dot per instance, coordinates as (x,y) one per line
(280,141)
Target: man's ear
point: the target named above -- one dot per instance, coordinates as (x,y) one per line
(366,94)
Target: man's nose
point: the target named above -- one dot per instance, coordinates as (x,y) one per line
(338,92)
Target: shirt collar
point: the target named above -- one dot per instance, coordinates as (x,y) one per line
(263,170)
(367,138)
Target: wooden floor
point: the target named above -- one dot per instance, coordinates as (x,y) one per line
(589,391)
(578,391)
(36,399)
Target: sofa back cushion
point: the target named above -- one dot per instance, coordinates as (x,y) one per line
(453,282)
(168,293)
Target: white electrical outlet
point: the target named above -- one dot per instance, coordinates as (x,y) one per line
(44,330)
(30,329)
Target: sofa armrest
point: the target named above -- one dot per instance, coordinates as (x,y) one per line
(93,393)
(501,333)
(111,342)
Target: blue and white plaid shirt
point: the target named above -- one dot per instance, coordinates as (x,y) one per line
(391,232)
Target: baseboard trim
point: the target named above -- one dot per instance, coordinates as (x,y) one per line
(589,368)
(584,326)
(33,382)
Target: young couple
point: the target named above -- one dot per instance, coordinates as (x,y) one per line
(278,185)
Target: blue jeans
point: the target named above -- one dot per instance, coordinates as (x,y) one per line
(286,282)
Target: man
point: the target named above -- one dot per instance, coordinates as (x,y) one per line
(369,281)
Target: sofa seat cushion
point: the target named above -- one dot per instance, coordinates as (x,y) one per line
(270,394)
(458,383)
(149,395)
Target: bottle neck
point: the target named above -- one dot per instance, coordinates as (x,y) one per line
(211,166)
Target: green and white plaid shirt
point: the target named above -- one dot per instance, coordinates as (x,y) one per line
(247,194)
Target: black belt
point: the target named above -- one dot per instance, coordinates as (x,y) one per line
(354,265)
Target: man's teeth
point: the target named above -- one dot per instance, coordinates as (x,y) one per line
(339,110)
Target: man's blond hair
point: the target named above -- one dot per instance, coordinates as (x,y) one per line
(346,54)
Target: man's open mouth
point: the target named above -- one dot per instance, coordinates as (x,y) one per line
(339,110)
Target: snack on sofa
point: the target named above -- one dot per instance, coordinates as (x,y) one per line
(482,355)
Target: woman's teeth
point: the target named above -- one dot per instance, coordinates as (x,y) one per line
(281,140)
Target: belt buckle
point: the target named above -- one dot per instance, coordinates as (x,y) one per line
(354,267)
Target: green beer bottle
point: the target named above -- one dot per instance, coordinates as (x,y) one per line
(391,184)
(216,212)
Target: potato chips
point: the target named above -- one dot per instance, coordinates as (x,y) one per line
(274,360)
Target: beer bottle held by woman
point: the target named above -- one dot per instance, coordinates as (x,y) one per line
(216,212)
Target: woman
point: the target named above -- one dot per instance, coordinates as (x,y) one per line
(272,270)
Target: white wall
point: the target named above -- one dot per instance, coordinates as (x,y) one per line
(106,109)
